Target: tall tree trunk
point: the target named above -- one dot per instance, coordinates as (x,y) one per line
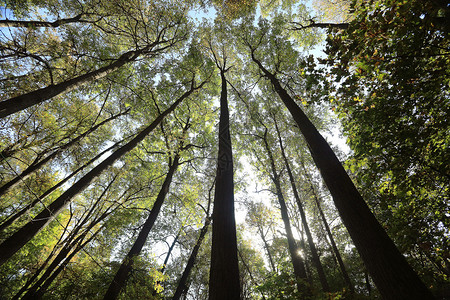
(29,230)
(24,101)
(122,274)
(44,195)
(181,287)
(38,164)
(312,246)
(297,260)
(393,276)
(224,273)
(35,24)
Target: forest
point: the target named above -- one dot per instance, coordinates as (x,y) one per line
(224,149)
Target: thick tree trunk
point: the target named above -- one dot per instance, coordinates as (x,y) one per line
(35,24)
(24,101)
(393,276)
(40,163)
(297,260)
(29,230)
(181,288)
(44,195)
(224,273)
(312,246)
(127,264)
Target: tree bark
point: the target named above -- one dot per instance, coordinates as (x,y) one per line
(297,260)
(312,246)
(181,287)
(224,273)
(393,276)
(127,264)
(11,245)
(35,24)
(40,163)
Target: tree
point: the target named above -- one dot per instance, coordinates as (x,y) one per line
(224,272)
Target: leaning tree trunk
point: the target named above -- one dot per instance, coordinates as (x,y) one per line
(36,24)
(122,274)
(44,195)
(297,260)
(312,246)
(393,276)
(224,272)
(49,280)
(29,230)
(181,287)
(24,101)
(35,166)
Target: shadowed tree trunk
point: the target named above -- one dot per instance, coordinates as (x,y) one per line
(393,276)
(37,164)
(297,260)
(312,246)
(35,24)
(122,274)
(181,287)
(224,273)
(29,230)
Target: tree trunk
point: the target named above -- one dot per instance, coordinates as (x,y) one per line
(224,273)
(297,260)
(312,246)
(29,230)
(44,195)
(24,101)
(39,164)
(181,288)
(127,264)
(59,268)
(393,276)
(266,246)
(330,235)
(35,24)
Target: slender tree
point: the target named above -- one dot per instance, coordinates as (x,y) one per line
(182,283)
(297,260)
(122,274)
(312,246)
(44,195)
(328,231)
